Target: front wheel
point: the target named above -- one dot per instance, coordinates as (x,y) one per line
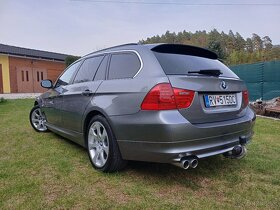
(37,119)
(102,147)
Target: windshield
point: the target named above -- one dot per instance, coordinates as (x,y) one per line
(178,64)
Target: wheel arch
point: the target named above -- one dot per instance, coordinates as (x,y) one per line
(38,101)
(89,115)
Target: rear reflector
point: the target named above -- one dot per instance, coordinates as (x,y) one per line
(164,97)
(245,95)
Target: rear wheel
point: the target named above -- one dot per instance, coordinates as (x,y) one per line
(102,147)
(37,119)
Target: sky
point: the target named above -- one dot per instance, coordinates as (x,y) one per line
(78,27)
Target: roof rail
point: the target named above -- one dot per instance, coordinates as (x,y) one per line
(122,45)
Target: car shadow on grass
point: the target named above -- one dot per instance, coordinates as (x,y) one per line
(67,141)
(215,167)
(212,168)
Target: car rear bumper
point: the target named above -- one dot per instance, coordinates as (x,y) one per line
(166,136)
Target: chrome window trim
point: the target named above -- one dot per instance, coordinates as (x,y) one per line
(121,51)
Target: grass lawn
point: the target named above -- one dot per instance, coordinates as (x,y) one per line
(46,171)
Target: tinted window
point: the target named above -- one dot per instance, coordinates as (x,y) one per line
(88,69)
(123,65)
(67,75)
(179,64)
(101,72)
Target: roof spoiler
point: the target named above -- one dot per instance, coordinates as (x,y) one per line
(184,50)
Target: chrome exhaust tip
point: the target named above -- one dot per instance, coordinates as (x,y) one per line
(194,163)
(238,152)
(184,164)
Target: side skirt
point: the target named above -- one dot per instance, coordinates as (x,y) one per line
(71,135)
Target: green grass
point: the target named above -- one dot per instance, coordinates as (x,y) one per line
(46,171)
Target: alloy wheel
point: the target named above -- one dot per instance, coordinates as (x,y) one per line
(38,120)
(98,144)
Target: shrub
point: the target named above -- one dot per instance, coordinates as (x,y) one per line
(2,100)
(70,59)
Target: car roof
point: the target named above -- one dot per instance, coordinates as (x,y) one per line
(114,48)
(160,47)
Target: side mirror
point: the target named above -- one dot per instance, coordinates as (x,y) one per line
(46,83)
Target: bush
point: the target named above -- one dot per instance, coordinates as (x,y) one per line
(70,59)
(2,100)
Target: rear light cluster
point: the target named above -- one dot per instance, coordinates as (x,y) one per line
(164,97)
(245,96)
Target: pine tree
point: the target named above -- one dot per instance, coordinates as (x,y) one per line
(232,48)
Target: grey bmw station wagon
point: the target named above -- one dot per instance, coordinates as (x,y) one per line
(166,103)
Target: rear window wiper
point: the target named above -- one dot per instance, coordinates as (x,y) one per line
(212,72)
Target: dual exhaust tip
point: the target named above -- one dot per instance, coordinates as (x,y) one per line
(187,163)
(237,152)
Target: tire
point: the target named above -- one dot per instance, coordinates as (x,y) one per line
(37,119)
(102,147)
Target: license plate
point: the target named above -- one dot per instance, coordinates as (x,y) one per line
(220,100)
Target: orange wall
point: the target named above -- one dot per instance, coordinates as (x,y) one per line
(53,68)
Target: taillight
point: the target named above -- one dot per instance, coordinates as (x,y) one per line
(183,97)
(164,97)
(160,97)
(245,96)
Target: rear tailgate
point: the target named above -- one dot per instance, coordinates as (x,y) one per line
(200,111)
(217,97)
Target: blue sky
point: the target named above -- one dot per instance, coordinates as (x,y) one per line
(80,27)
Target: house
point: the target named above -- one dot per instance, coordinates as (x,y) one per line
(22,69)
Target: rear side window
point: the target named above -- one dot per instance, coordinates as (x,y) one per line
(88,69)
(178,64)
(123,65)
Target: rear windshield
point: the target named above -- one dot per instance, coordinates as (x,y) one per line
(178,64)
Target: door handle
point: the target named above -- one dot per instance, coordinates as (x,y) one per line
(87,92)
